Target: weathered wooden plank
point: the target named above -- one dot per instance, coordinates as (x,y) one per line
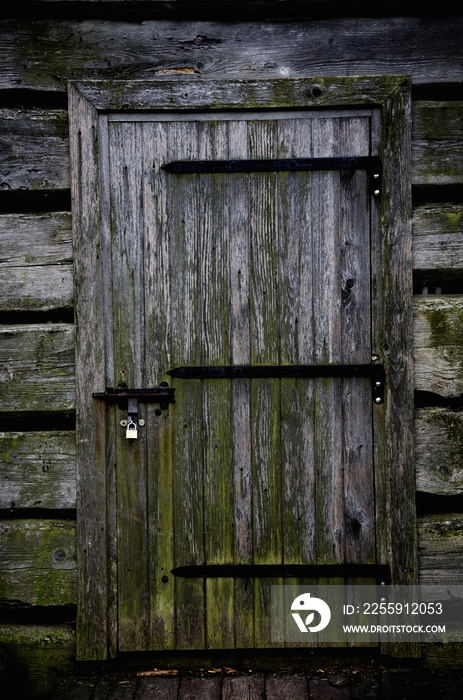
(160,688)
(280,687)
(440,541)
(37,368)
(437,143)
(28,240)
(439,451)
(125,143)
(204,688)
(438,238)
(38,470)
(250,687)
(35,149)
(41,288)
(36,261)
(41,55)
(438,339)
(90,370)
(38,562)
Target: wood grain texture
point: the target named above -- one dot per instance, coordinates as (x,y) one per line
(36,272)
(37,368)
(438,451)
(92,553)
(438,238)
(41,55)
(438,337)
(38,470)
(34,149)
(38,562)
(437,143)
(440,540)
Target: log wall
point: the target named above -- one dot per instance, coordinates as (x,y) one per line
(44,45)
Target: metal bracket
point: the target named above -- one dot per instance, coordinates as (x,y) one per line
(372,164)
(374,372)
(125,398)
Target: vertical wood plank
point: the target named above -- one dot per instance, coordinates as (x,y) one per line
(127,223)
(265,394)
(187,444)
(215,350)
(158,295)
(296,346)
(92,585)
(327,347)
(240,349)
(357,406)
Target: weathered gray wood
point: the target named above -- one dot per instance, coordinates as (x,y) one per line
(38,562)
(438,337)
(160,688)
(392,342)
(437,143)
(438,238)
(41,55)
(92,552)
(38,470)
(440,540)
(204,688)
(35,149)
(439,451)
(250,687)
(36,260)
(280,687)
(30,240)
(37,368)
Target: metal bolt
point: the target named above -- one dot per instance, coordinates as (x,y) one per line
(378,384)
(376,176)
(141,423)
(383,600)
(123,423)
(376,193)
(378,400)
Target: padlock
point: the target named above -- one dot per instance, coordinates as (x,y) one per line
(131,431)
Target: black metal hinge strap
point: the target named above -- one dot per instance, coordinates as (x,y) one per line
(162,395)
(369,163)
(277,371)
(379,571)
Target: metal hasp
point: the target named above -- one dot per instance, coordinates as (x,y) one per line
(374,372)
(372,164)
(162,395)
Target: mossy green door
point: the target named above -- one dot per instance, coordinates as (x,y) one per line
(260,269)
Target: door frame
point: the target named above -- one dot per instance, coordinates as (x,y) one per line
(392,342)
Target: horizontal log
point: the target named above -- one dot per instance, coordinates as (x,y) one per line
(437,143)
(438,238)
(36,146)
(42,55)
(438,344)
(37,368)
(440,549)
(38,470)
(439,451)
(34,149)
(38,562)
(36,262)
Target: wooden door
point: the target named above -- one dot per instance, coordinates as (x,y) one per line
(258,474)
(263,269)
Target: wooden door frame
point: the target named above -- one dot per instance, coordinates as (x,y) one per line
(392,342)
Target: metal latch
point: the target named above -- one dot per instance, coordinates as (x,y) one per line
(128,399)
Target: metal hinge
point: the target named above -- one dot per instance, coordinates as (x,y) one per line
(372,164)
(374,372)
